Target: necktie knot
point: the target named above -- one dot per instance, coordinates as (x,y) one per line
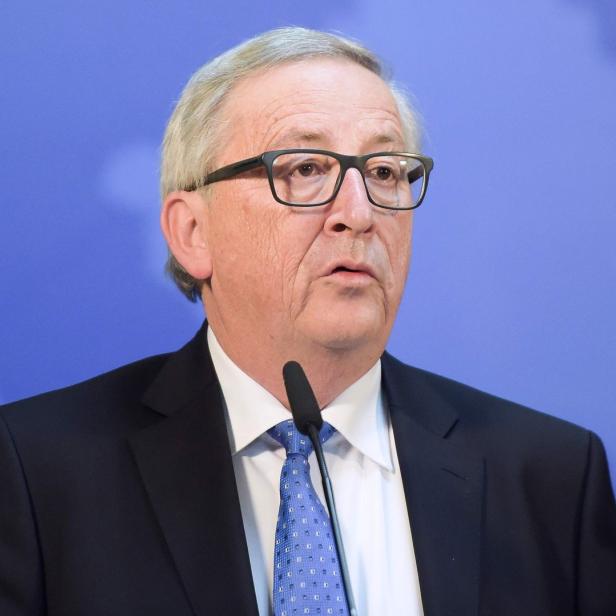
(294,441)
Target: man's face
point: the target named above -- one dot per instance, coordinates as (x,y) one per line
(331,275)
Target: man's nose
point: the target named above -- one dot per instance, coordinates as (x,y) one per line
(351,211)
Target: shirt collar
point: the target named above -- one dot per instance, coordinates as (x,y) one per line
(358,413)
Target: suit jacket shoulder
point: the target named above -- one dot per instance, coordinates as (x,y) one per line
(118,496)
(112,392)
(485,422)
(514,507)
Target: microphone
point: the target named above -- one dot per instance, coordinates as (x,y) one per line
(308,420)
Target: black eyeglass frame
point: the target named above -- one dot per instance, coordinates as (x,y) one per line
(346,162)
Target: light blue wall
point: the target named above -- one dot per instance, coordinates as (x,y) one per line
(514,266)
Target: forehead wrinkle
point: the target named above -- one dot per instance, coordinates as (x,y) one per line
(273,115)
(389,132)
(277,116)
(296,136)
(314,127)
(262,126)
(281,108)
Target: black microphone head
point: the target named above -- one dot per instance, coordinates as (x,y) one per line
(304,405)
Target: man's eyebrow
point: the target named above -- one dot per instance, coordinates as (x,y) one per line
(385,138)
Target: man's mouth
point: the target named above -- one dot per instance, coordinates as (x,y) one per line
(349,272)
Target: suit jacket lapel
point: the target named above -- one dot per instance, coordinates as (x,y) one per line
(443,486)
(185,463)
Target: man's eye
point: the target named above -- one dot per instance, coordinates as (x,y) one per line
(382,173)
(306,169)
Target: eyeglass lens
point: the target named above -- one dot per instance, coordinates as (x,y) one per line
(306,178)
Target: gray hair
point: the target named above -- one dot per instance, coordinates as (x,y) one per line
(192,134)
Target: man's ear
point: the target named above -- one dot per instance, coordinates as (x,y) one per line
(183,220)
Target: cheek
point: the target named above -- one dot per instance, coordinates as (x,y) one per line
(293,246)
(238,226)
(298,245)
(257,247)
(399,252)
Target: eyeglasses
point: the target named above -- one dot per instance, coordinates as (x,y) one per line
(307,177)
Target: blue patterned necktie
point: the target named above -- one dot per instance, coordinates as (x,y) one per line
(307,577)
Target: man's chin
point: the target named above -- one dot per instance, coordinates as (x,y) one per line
(340,322)
(348,333)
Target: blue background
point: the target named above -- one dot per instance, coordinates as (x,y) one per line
(512,283)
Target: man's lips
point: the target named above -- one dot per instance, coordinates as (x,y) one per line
(349,270)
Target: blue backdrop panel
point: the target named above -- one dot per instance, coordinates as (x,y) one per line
(514,266)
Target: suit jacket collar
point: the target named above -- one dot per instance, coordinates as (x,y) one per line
(443,484)
(183,378)
(186,467)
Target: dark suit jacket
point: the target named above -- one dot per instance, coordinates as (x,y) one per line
(118,498)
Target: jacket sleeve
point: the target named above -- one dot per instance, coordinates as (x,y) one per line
(21,579)
(597,537)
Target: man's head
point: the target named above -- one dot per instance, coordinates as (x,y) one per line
(302,281)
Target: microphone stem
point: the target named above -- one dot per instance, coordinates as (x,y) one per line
(313,433)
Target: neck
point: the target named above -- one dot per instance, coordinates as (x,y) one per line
(329,370)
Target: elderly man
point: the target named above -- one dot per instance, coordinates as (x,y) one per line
(290,175)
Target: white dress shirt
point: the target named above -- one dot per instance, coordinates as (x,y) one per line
(363,465)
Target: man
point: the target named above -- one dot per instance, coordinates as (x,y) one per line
(289,178)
